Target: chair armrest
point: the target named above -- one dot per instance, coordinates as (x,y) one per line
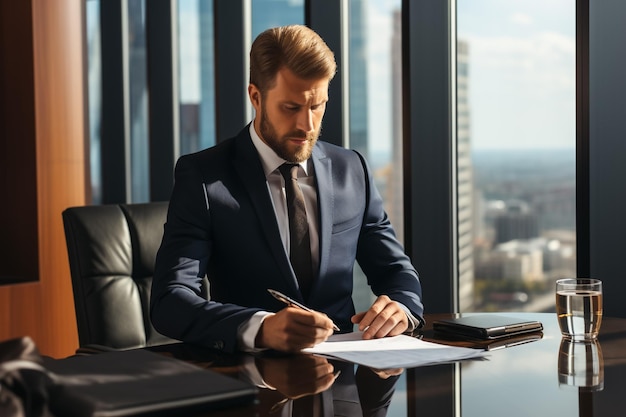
(94,348)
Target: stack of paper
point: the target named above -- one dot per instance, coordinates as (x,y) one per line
(391,352)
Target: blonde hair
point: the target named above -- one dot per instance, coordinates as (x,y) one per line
(295,47)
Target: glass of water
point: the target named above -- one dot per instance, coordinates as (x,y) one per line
(579,307)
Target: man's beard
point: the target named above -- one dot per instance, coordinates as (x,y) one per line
(281,145)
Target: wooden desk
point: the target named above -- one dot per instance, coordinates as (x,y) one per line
(518,381)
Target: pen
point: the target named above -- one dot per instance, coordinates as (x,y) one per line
(291,302)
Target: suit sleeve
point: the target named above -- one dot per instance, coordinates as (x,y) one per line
(381,256)
(178,308)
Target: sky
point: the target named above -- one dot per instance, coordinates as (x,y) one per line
(522,56)
(521,64)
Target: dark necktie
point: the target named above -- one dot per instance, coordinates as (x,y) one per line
(300,244)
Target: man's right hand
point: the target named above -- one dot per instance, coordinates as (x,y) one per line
(293,329)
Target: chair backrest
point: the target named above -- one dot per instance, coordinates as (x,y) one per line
(112,249)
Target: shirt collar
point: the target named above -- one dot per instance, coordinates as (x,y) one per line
(269,159)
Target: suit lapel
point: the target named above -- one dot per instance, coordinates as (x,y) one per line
(248,166)
(326,199)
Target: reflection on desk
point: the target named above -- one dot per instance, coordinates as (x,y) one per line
(318,385)
(322,387)
(581,364)
(530,379)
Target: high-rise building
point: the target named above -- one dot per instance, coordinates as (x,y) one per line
(465,183)
(517,222)
(272,13)
(358,109)
(358,78)
(138,102)
(206,121)
(394,188)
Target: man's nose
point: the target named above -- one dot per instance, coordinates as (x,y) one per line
(305,120)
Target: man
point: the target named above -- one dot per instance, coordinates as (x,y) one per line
(229,220)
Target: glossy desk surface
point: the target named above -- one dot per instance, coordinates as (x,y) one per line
(529,379)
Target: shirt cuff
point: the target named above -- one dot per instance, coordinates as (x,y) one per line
(248,331)
(414,323)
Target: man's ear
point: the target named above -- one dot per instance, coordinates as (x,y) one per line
(255,96)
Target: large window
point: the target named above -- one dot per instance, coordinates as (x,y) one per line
(375,100)
(516,138)
(375,119)
(196,75)
(94,68)
(120,74)
(138,102)
(514,155)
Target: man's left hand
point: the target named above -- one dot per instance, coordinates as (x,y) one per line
(384,318)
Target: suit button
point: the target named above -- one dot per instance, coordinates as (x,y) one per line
(218,345)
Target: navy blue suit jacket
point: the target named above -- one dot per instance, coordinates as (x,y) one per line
(221,223)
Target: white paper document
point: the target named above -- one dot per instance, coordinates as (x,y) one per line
(400,351)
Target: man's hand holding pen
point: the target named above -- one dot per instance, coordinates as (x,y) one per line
(297,327)
(293,329)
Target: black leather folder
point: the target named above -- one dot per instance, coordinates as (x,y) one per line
(140,383)
(486,326)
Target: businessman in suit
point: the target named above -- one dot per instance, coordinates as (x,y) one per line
(229,219)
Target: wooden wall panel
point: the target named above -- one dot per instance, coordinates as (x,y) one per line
(44,309)
(59,102)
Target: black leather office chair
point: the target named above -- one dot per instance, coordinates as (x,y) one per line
(112,249)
